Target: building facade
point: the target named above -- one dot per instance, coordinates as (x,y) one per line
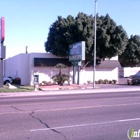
(25,65)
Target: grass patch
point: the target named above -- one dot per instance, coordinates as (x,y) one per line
(19,89)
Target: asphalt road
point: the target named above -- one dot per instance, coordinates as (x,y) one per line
(101,116)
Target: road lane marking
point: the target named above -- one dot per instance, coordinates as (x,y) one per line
(84,125)
(71,108)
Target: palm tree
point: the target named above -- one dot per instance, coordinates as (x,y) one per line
(60,78)
(60,66)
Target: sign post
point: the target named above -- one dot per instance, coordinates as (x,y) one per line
(73,73)
(2,48)
(76,55)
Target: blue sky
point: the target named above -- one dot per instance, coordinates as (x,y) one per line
(27,22)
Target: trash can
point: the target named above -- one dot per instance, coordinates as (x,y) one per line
(17,81)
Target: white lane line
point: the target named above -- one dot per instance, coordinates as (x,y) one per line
(84,125)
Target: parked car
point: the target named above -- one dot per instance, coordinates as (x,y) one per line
(7,80)
(133,80)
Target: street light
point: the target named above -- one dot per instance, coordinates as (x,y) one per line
(94,64)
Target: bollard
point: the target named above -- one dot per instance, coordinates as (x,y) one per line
(36,82)
(36,87)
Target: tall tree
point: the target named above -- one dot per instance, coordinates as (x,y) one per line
(131,56)
(111,39)
(66,31)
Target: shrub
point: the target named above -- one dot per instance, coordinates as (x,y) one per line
(60,78)
(100,81)
(49,83)
(44,82)
(110,82)
(114,81)
(106,81)
(60,66)
(89,82)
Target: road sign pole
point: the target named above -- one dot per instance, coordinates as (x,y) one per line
(78,75)
(73,74)
(1,69)
(2,48)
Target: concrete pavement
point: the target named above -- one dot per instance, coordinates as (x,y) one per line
(106,116)
(75,90)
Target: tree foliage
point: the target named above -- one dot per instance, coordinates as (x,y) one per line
(60,66)
(131,56)
(111,39)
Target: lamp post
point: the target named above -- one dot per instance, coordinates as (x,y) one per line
(94,64)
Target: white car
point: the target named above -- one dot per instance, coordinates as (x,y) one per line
(7,80)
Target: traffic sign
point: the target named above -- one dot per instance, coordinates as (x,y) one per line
(2,29)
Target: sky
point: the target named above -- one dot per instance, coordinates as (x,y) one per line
(27,22)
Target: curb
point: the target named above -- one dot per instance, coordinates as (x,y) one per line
(74,91)
(70,88)
(68,92)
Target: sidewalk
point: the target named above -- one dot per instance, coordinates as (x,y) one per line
(74,89)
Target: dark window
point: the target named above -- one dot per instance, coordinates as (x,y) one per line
(50,61)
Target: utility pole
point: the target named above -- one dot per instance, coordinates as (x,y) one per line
(94,59)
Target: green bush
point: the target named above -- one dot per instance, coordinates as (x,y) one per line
(44,82)
(60,78)
(106,81)
(89,82)
(100,81)
(110,82)
(114,81)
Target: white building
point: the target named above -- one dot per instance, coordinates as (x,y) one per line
(24,65)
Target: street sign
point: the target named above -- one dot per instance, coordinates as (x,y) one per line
(77,51)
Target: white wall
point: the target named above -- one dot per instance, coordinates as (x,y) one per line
(113,58)
(100,73)
(12,66)
(17,66)
(45,74)
(22,66)
(24,69)
(128,71)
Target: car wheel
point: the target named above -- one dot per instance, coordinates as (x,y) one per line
(134,83)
